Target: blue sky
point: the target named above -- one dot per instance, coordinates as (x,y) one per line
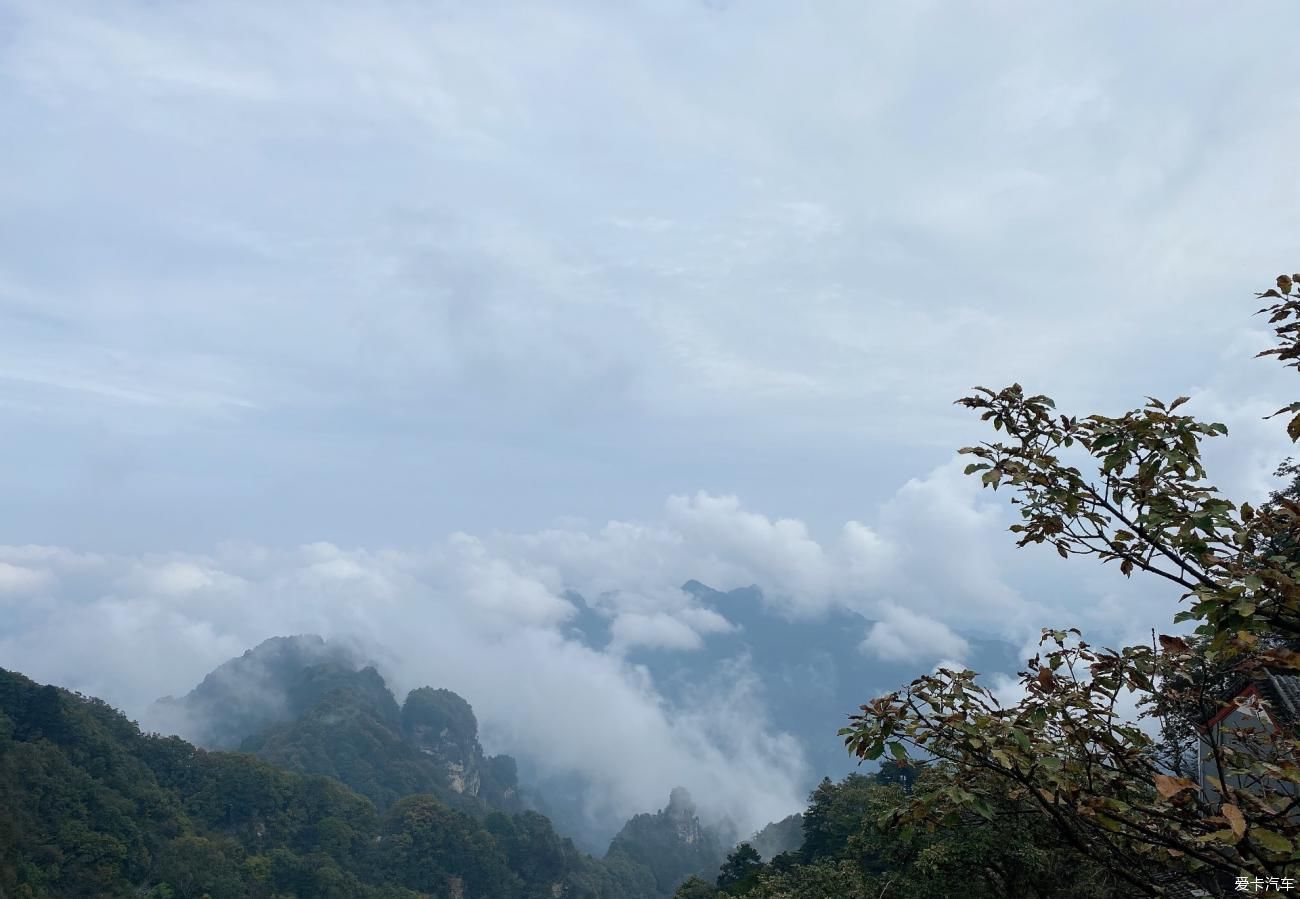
(474,302)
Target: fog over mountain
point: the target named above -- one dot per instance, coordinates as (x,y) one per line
(599,653)
(596,361)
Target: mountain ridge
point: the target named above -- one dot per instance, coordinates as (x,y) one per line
(95,806)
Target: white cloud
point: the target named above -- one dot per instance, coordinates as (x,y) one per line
(717,540)
(656,631)
(683,628)
(368,274)
(171,578)
(487,616)
(586,257)
(456,615)
(794,566)
(902,635)
(21,580)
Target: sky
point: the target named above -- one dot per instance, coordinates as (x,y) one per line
(401,318)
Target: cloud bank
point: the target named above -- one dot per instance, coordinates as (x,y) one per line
(490,618)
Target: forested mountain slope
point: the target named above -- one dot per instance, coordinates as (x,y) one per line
(94,807)
(316,708)
(847,848)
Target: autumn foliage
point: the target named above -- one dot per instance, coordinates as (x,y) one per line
(1123,789)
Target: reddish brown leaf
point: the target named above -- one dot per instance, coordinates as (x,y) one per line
(1173,644)
(1169,787)
(1045,679)
(1236,820)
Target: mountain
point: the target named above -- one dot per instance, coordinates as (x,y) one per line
(441,726)
(671,843)
(839,848)
(314,708)
(339,790)
(813,671)
(272,683)
(311,707)
(91,806)
(322,711)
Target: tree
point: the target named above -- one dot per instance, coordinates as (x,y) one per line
(695,887)
(894,772)
(835,815)
(533,849)
(195,867)
(1112,791)
(426,844)
(89,806)
(851,848)
(740,869)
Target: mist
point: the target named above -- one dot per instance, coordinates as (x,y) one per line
(491,619)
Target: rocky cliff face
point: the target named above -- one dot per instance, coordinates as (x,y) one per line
(680,814)
(442,725)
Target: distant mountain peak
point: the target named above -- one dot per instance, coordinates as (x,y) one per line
(273,682)
(696,588)
(672,842)
(316,707)
(680,804)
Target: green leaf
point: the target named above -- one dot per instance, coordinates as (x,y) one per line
(1219,836)
(1108,822)
(1272,841)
